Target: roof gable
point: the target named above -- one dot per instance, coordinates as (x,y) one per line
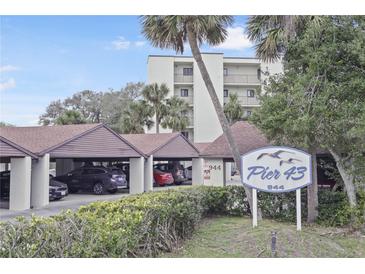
(98,143)
(8,149)
(40,139)
(163,145)
(246,136)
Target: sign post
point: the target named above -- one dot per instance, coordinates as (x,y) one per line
(299,210)
(276,169)
(254,207)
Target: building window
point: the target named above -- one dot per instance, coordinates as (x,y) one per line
(184,92)
(187,71)
(249,112)
(250,93)
(259,74)
(225,93)
(186,134)
(225,71)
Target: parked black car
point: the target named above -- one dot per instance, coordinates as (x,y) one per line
(97,179)
(57,190)
(175,169)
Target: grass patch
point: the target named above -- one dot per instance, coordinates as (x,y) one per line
(234,237)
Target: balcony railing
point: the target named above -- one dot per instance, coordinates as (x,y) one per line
(181,78)
(245,101)
(241,79)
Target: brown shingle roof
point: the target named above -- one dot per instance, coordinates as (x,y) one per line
(201,146)
(150,142)
(41,138)
(247,137)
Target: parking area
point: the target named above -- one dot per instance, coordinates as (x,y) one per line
(72,202)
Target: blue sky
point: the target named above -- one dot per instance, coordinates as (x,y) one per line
(45,58)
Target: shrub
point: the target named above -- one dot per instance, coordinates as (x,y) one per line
(146,224)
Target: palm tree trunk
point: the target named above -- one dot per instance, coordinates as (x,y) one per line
(218,107)
(157,124)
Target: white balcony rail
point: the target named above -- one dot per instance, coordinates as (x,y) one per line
(241,78)
(181,78)
(245,101)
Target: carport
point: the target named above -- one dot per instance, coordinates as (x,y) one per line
(166,147)
(68,146)
(218,157)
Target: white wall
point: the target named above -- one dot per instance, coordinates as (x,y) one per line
(20,183)
(197,171)
(148,174)
(136,175)
(206,123)
(160,70)
(214,172)
(40,182)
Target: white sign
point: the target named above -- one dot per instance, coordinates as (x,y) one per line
(276,169)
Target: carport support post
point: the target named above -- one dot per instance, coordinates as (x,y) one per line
(20,178)
(136,176)
(148,174)
(40,182)
(197,171)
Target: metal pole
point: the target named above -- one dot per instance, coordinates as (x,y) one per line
(299,211)
(254,207)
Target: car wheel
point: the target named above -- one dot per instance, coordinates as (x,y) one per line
(98,189)
(178,183)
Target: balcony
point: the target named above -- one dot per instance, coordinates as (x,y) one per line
(181,78)
(188,100)
(241,79)
(245,101)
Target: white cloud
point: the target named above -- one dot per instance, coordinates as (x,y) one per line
(7,68)
(121,43)
(140,43)
(8,84)
(236,40)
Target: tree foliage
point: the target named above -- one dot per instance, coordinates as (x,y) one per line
(320,99)
(95,107)
(136,117)
(176,116)
(233,109)
(70,117)
(155,95)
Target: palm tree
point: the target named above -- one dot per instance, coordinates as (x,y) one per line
(136,117)
(271,33)
(70,117)
(172,31)
(176,117)
(156,95)
(233,109)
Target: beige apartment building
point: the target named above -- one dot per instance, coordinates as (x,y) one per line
(230,75)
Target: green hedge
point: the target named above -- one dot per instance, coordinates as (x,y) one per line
(144,225)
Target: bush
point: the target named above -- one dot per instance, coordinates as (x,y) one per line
(146,224)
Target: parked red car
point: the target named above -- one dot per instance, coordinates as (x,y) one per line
(162,178)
